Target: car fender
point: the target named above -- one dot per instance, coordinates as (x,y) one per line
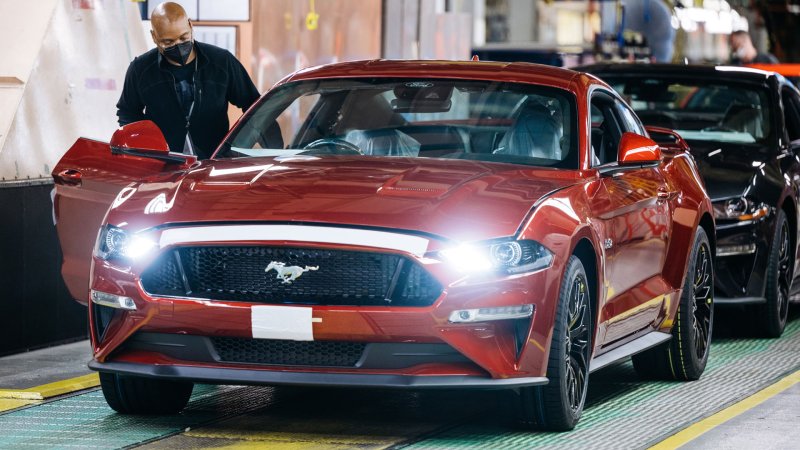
(560,222)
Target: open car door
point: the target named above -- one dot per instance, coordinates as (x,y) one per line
(87,180)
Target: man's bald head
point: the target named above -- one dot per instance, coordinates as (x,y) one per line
(171,26)
(168,12)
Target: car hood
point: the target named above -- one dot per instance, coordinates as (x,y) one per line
(728,169)
(455,199)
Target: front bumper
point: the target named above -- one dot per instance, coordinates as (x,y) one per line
(740,278)
(222,375)
(491,350)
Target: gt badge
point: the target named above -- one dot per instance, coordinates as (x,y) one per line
(288,274)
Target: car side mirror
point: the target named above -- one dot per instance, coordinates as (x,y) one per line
(667,139)
(144,139)
(636,149)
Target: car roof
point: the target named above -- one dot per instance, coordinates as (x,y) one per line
(518,72)
(711,71)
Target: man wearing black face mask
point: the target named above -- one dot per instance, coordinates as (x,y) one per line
(184,86)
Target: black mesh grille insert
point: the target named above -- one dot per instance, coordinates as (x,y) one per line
(329,277)
(288,353)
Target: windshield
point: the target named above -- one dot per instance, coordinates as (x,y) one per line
(719,111)
(431,118)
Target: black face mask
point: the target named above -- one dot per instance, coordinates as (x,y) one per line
(179,52)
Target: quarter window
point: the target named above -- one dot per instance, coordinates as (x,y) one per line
(605,130)
(629,119)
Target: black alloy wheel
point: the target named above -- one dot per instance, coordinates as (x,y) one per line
(684,357)
(779,280)
(784,273)
(558,405)
(702,305)
(577,344)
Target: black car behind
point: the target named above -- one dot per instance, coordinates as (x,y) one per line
(743,128)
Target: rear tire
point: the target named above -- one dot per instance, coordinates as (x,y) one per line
(558,405)
(684,357)
(139,395)
(773,315)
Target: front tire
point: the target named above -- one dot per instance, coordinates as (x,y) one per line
(558,405)
(139,395)
(685,356)
(773,315)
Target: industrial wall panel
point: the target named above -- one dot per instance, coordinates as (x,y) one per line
(35,307)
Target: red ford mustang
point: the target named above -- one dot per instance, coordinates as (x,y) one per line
(394,224)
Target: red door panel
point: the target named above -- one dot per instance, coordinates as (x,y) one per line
(636,224)
(87,179)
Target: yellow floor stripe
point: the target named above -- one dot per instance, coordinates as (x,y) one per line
(9,404)
(289,433)
(52,389)
(688,434)
(258,445)
(299,438)
(326,433)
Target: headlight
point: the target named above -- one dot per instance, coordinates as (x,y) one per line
(740,208)
(114,243)
(507,257)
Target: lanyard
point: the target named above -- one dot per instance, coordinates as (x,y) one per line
(188,146)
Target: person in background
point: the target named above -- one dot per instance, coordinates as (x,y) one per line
(744,52)
(184,86)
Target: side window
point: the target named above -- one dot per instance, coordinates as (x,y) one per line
(629,120)
(605,130)
(791,114)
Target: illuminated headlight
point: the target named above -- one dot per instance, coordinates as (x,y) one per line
(497,313)
(112,301)
(740,208)
(114,243)
(508,256)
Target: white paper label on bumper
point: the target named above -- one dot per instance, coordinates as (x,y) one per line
(281,322)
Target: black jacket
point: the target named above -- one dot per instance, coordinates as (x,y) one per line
(149,94)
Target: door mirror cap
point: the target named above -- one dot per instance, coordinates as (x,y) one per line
(636,149)
(143,136)
(144,139)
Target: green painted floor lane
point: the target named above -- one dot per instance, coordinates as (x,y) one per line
(348,417)
(334,419)
(625,412)
(622,411)
(86,421)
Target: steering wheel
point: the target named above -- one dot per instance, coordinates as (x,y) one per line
(338,146)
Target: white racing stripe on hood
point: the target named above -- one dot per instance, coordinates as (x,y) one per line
(414,245)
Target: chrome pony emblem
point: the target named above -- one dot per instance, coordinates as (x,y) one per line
(288,274)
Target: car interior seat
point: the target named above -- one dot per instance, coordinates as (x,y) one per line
(535,133)
(439,140)
(744,118)
(384,142)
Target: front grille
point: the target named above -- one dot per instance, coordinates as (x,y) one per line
(335,277)
(288,353)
